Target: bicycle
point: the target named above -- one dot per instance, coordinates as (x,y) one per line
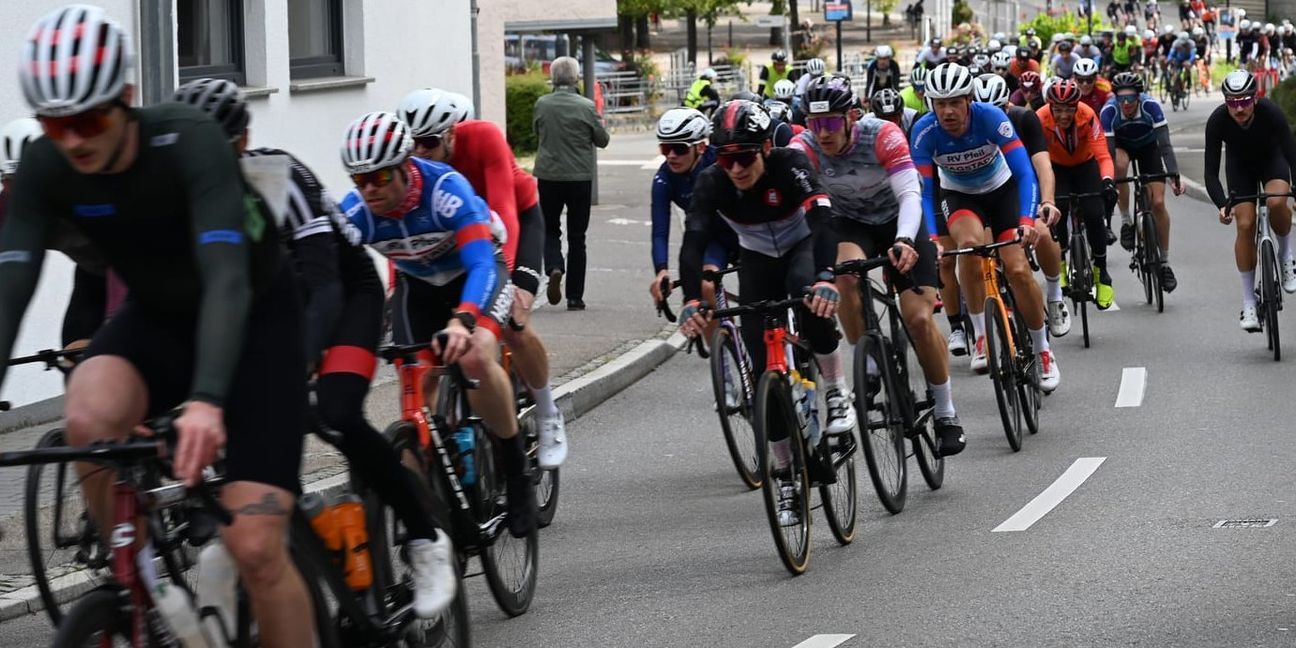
(1146,260)
(899,415)
(431,444)
(786,405)
(546,480)
(1269,279)
(1080,280)
(1013,364)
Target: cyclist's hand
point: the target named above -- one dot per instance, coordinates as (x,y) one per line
(908,256)
(692,321)
(1109,193)
(1029,235)
(458,342)
(1049,213)
(655,288)
(1177,185)
(940,249)
(200,433)
(823,299)
(1226,215)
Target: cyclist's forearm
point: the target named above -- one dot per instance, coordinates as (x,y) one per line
(1044,176)
(1167,149)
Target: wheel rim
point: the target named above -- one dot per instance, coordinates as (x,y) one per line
(775,409)
(1002,375)
(840,497)
(735,423)
(880,432)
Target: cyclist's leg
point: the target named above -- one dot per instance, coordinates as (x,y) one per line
(1002,203)
(1086,179)
(529,354)
(917,310)
(1150,161)
(1280,216)
(966,224)
(854,241)
(1243,180)
(823,336)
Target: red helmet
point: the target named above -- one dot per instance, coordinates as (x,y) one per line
(1030,80)
(1064,91)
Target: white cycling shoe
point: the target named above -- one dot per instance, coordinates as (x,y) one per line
(841,415)
(1059,319)
(432,572)
(1250,321)
(1289,275)
(553,442)
(980,364)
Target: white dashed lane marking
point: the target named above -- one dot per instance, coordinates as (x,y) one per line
(824,641)
(1052,496)
(1133,383)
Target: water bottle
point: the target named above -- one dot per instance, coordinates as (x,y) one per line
(357,562)
(798,400)
(812,413)
(465,438)
(217,594)
(175,606)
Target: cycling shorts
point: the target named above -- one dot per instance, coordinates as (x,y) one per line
(1148,157)
(877,239)
(997,209)
(1081,178)
(530,249)
(420,309)
(265,411)
(1245,176)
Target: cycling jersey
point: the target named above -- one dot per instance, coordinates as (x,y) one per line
(1265,139)
(483,156)
(188,247)
(1183,53)
(669,187)
(1096,98)
(1027,124)
(1017,67)
(1165,43)
(1018,98)
(1150,47)
(1123,54)
(878,78)
(1135,132)
(873,181)
(1062,65)
(930,58)
(445,231)
(1083,141)
(912,100)
(982,159)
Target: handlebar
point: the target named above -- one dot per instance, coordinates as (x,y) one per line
(1147,178)
(50,358)
(1077,197)
(986,250)
(757,308)
(406,352)
(1237,199)
(861,267)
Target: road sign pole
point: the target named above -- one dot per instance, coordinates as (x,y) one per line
(839,46)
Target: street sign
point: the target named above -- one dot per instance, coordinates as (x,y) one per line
(838,11)
(771,21)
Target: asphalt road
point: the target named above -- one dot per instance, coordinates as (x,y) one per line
(656,543)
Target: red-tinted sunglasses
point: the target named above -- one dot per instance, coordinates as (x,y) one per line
(1239,102)
(743,159)
(90,123)
(380,178)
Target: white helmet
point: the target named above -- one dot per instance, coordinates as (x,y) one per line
(1000,59)
(1085,68)
(999,36)
(683,125)
(883,51)
(994,46)
(462,106)
(14,137)
(991,89)
(58,77)
(1148,33)
(948,80)
(1057,38)
(1244,25)
(1269,28)
(709,74)
(1241,13)
(815,67)
(784,89)
(1169,29)
(1198,31)
(428,112)
(1085,40)
(375,140)
(1183,35)
(1131,30)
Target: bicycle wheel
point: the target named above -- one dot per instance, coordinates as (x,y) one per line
(881,427)
(775,416)
(733,404)
(61,537)
(1269,296)
(840,499)
(545,480)
(1081,281)
(1028,374)
(97,619)
(510,563)
(1152,248)
(930,463)
(1003,373)
(1141,259)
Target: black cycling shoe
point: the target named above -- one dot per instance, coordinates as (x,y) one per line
(949,436)
(819,464)
(1127,236)
(521,506)
(1111,236)
(1168,281)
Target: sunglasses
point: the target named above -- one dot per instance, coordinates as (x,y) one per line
(829,124)
(1086,79)
(743,159)
(1239,102)
(430,141)
(677,148)
(1127,98)
(90,123)
(380,178)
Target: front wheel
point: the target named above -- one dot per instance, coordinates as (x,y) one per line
(840,498)
(1269,295)
(1003,373)
(1028,373)
(881,427)
(1081,281)
(1152,250)
(100,618)
(510,563)
(784,483)
(733,404)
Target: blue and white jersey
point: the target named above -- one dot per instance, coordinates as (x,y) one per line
(1132,132)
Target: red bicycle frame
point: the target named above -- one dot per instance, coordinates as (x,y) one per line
(125,554)
(776,349)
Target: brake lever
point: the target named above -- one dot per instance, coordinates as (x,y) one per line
(663,305)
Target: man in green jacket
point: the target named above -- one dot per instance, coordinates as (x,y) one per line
(568,129)
(913,94)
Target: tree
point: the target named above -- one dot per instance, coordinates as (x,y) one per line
(887,7)
(776,33)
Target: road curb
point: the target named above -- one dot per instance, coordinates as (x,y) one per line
(575,398)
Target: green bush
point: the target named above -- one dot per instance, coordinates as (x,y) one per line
(962,12)
(521,91)
(1285,96)
(1046,25)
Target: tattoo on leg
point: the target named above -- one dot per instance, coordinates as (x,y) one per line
(269,505)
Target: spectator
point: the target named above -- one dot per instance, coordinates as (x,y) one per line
(568,129)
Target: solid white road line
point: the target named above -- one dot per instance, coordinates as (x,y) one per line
(824,641)
(1133,382)
(1052,496)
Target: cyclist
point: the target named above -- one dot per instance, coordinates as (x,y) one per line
(784,129)
(887,105)
(1136,129)
(780,131)
(999,64)
(1087,50)
(1049,254)
(1125,53)
(1180,62)
(1029,94)
(343,307)
(784,92)
(913,95)
(1081,164)
(1031,43)
(212,320)
(1261,153)
(931,55)
(452,274)
(1151,13)
(1151,50)
(882,72)
(1086,77)
(1064,60)
(814,68)
(1023,63)
(773,72)
(772,199)
(702,95)
(986,181)
(876,206)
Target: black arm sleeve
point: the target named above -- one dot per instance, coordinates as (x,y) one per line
(1163,144)
(22,251)
(825,243)
(711,93)
(1214,133)
(316,260)
(698,221)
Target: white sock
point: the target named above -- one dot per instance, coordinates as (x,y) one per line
(1054,287)
(830,370)
(782,453)
(944,399)
(545,405)
(1284,247)
(1165,254)
(978,325)
(1040,339)
(1126,218)
(1248,288)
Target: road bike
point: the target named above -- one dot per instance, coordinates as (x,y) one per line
(1146,260)
(1080,279)
(547,480)
(1013,363)
(460,462)
(887,389)
(786,409)
(1269,290)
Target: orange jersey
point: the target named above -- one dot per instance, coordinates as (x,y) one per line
(1082,142)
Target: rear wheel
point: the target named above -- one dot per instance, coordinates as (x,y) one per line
(1081,280)
(930,463)
(510,563)
(1028,374)
(785,487)
(733,404)
(840,498)
(101,618)
(1269,295)
(1003,374)
(1152,250)
(882,432)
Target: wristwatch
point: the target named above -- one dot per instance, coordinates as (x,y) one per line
(467,319)
(907,241)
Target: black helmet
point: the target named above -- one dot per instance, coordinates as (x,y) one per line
(739,125)
(1238,83)
(829,93)
(886,103)
(221,99)
(1127,81)
(745,95)
(779,56)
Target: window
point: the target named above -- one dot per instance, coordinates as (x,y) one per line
(315,38)
(210,39)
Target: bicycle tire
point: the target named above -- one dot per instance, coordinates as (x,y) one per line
(841,499)
(930,463)
(1028,374)
(512,591)
(39,540)
(1153,251)
(100,612)
(1143,259)
(1081,280)
(734,424)
(546,480)
(1002,369)
(881,430)
(1269,295)
(774,409)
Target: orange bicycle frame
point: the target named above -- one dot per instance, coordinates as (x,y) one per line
(775,354)
(990,278)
